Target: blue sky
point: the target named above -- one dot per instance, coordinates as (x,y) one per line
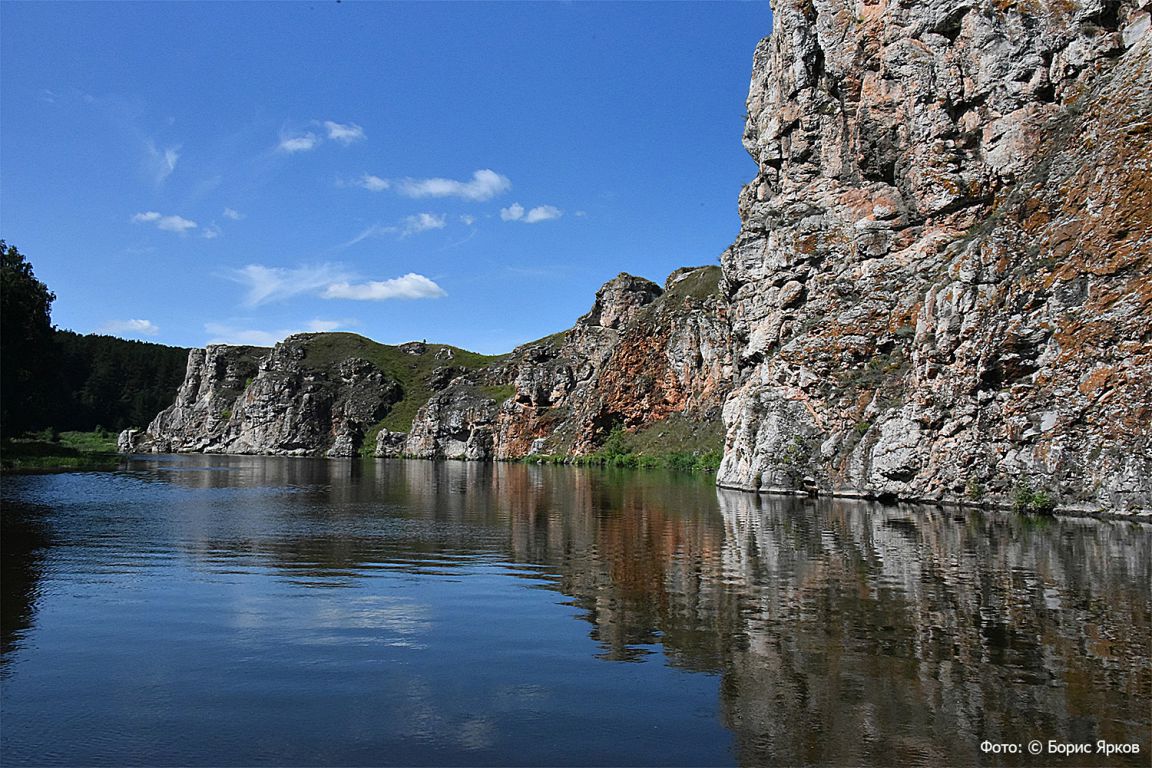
(467,173)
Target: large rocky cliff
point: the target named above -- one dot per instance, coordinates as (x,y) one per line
(943,284)
(649,362)
(942,288)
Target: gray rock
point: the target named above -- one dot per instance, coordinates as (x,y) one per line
(942,275)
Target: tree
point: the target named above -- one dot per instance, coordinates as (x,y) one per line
(26,344)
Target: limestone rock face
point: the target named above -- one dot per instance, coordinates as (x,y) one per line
(198,420)
(943,282)
(251,400)
(641,356)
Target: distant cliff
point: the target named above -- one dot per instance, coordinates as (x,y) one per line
(649,362)
(942,289)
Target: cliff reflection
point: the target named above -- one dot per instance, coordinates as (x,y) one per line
(898,636)
(843,632)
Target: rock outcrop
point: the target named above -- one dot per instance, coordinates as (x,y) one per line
(941,289)
(284,402)
(643,356)
(943,283)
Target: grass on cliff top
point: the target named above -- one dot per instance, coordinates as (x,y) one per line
(699,284)
(65,452)
(411,371)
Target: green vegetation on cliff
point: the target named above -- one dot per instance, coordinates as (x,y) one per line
(675,443)
(414,366)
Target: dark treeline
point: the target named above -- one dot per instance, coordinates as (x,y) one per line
(112,383)
(58,379)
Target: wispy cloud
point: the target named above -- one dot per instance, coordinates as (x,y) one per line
(410,286)
(467,219)
(211,232)
(232,214)
(484,185)
(325,326)
(376,230)
(294,144)
(372,183)
(167,223)
(130,327)
(345,134)
(410,225)
(161,162)
(516,212)
(268,284)
(327,281)
(224,333)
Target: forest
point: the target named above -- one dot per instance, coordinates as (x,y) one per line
(57,380)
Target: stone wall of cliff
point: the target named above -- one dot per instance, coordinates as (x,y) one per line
(642,356)
(941,289)
(943,283)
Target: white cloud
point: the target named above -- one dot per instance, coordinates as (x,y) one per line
(372,183)
(293,144)
(410,286)
(512,212)
(411,225)
(516,212)
(130,327)
(484,185)
(542,213)
(376,230)
(161,162)
(175,224)
(325,326)
(210,232)
(227,334)
(423,222)
(345,134)
(468,219)
(166,223)
(234,215)
(223,333)
(267,284)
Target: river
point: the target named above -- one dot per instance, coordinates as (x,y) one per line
(222,610)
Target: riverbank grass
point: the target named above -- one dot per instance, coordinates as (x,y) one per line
(48,451)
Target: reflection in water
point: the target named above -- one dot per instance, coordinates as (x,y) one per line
(25,537)
(828,632)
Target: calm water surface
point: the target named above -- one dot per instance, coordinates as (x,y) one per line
(241,611)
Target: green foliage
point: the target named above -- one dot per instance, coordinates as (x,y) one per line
(862,427)
(65,381)
(698,285)
(111,382)
(99,441)
(25,343)
(1025,500)
(70,451)
(410,371)
(499,393)
(664,445)
(974,489)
